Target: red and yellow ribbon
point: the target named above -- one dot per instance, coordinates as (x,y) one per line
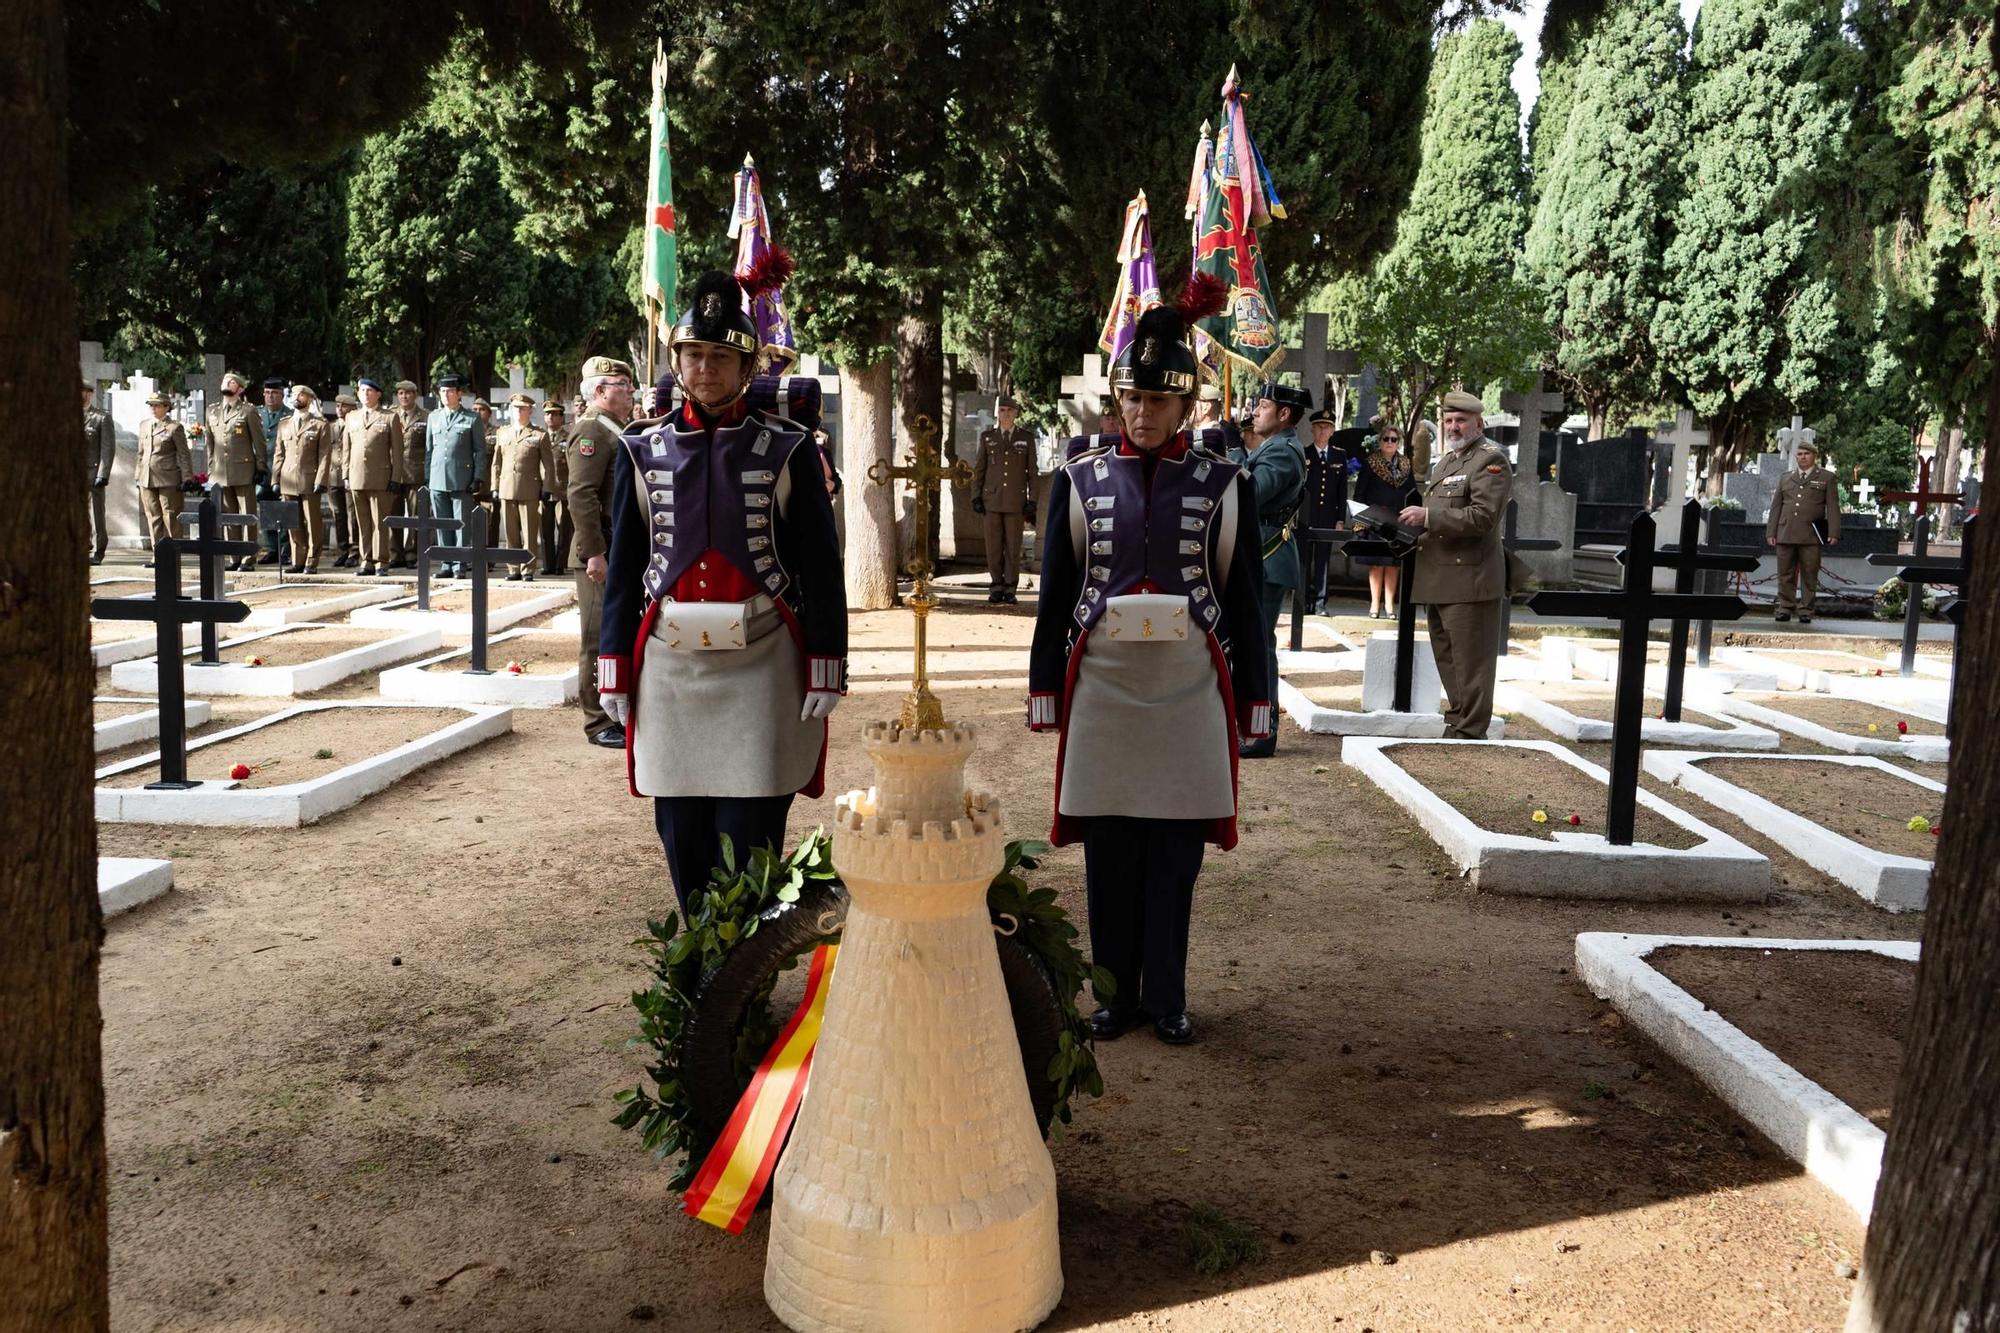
(737,1169)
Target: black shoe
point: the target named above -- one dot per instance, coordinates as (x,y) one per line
(149,564)
(993,598)
(1175,1029)
(1110,1025)
(1805,620)
(270,558)
(1258,749)
(295,569)
(1782,615)
(97,560)
(611,738)
(513,578)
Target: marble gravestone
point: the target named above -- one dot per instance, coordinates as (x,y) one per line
(1544,511)
(1609,479)
(1755,485)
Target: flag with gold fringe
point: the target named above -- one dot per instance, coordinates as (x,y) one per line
(1240,198)
(750,228)
(1138,280)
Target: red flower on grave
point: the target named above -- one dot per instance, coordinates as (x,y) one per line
(240,772)
(1902,727)
(1575,819)
(1936,829)
(1878,671)
(513,668)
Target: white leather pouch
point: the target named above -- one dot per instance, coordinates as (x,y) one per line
(693,627)
(1150,617)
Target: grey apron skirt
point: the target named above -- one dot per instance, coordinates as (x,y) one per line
(1146,736)
(724,722)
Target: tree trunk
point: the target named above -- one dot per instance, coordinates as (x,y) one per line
(865,437)
(1599,416)
(920,395)
(1953,461)
(1930,1261)
(53,1255)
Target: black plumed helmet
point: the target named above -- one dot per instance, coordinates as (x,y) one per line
(715,314)
(1159,359)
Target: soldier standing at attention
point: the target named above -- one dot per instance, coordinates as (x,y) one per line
(486,497)
(1003,491)
(236,453)
(524,472)
(1276,462)
(271,415)
(100,447)
(1326,501)
(371,444)
(299,466)
(724,641)
(454,462)
(336,479)
(1461,564)
(556,532)
(410,497)
(165,469)
(607,388)
(1805,516)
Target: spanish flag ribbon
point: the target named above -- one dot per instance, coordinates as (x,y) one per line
(737,1169)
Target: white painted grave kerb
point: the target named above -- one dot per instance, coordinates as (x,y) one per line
(1924,749)
(1597,659)
(1378,678)
(338,598)
(1573,865)
(233,677)
(456,626)
(1736,735)
(225,805)
(125,882)
(143,644)
(1837,1145)
(411,683)
(1898,883)
(131,728)
(1784,667)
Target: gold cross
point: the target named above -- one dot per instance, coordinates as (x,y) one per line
(924,469)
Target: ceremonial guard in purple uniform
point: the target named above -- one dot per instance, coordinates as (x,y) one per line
(1149,657)
(724,640)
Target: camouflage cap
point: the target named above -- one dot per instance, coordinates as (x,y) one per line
(606,366)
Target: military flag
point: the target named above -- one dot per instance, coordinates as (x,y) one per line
(1240,199)
(1200,180)
(764,299)
(661,272)
(1138,280)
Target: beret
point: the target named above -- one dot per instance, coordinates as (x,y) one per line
(367,383)
(1458,400)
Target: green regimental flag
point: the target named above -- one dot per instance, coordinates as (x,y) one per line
(1240,196)
(661,270)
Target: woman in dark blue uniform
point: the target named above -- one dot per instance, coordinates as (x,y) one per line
(1148,657)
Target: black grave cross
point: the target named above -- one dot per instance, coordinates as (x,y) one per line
(169,611)
(425,527)
(1512,543)
(1920,569)
(1913,603)
(209,548)
(1634,607)
(1688,560)
(283,517)
(191,517)
(479,553)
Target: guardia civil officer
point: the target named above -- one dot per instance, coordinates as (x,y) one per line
(724,645)
(1461,563)
(1805,516)
(455,456)
(1003,492)
(1147,656)
(1276,464)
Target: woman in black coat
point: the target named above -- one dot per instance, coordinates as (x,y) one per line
(1384,480)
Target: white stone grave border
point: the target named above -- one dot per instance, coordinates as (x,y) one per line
(1739,735)
(279,681)
(1572,658)
(568,622)
(1321,659)
(140,726)
(1837,1145)
(341,597)
(1923,749)
(126,882)
(456,626)
(411,683)
(1895,883)
(1927,664)
(1323,721)
(223,804)
(1791,675)
(143,644)
(1573,865)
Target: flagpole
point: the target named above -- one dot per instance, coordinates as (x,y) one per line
(652,343)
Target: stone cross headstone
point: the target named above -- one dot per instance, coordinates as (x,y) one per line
(1532,409)
(481,557)
(96,369)
(1864,492)
(1314,361)
(1084,395)
(1513,542)
(210,549)
(1679,434)
(169,610)
(1792,436)
(424,529)
(1367,396)
(1635,607)
(1546,512)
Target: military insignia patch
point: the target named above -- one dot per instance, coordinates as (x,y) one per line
(1493,468)
(711,306)
(586,448)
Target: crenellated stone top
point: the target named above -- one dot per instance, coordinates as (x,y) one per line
(918,825)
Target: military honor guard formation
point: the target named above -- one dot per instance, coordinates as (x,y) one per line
(1114,854)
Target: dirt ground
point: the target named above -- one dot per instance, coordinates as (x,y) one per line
(360,1074)
(1849,716)
(1860,803)
(300,748)
(1501,789)
(1838,1018)
(1600,702)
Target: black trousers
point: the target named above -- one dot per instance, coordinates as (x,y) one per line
(692,829)
(1139,879)
(1317,573)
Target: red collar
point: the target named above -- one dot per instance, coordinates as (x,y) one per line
(696,419)
(1174,449)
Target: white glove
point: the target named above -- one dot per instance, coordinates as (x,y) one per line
(617,707)
(819,703)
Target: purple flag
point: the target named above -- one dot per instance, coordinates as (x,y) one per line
(750,227)
(1138,280)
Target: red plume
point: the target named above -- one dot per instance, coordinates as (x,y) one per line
(1204,295)
(769,273)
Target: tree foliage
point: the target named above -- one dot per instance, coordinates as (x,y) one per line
(1567,26)
(1750,326)
(1607,198)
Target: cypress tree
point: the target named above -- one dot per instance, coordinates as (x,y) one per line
(1567,26)
(1607,198)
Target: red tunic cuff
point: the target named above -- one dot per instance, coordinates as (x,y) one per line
(826,675)
(1041,712)
(614,674)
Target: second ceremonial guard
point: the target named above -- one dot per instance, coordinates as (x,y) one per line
(724,645)
(1149,657)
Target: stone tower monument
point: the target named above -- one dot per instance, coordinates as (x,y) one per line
(916,1193)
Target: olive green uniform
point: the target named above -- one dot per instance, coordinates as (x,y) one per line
(1462,575)
(236,454)
(1003,478)
(593,446)
(164,463)
(1801,500)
